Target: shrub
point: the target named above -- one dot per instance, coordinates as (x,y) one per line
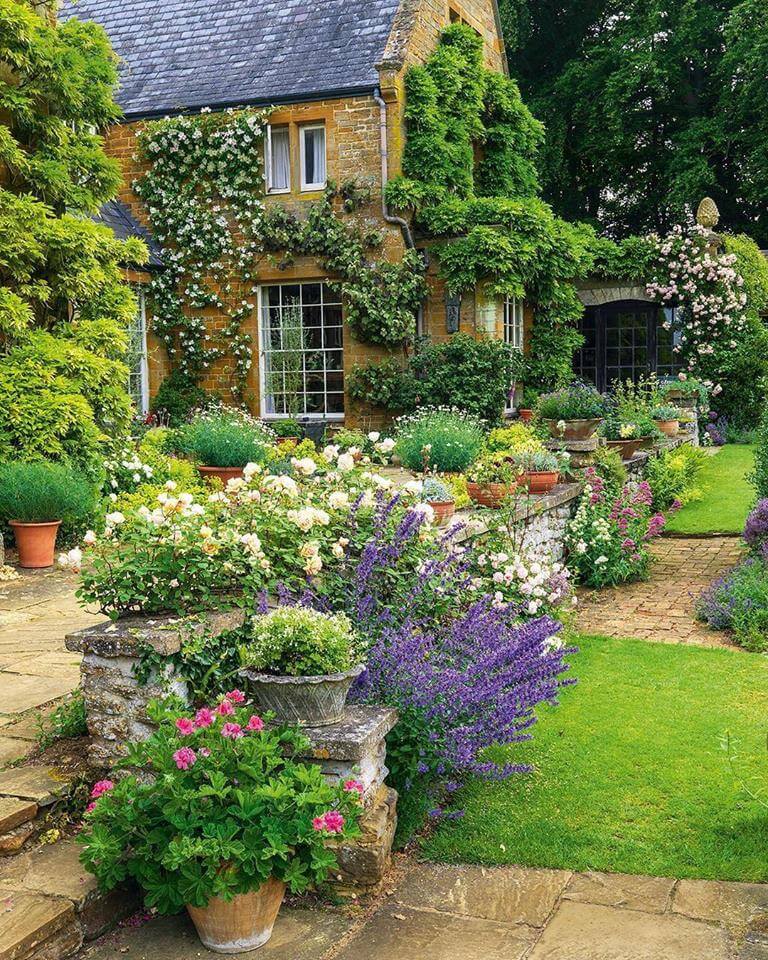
(738,601)
(610,468)
(177,398)
(608,537)
(186,833)
(298,642)
(41,492)
(436,491)
(136,465)
(759,475)
(224,438)
(673,476)
(441,438)
(285,428)
(514,438)
(577,401)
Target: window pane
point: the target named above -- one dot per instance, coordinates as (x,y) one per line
(314,155)
(280,168)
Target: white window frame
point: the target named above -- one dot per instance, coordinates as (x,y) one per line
(302,130)
(143,366)
(264,414)
(514,333)
(268,159)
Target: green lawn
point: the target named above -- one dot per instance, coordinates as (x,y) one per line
(727,496)
(630,775)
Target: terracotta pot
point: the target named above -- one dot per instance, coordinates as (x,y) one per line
(221,473)
(525,414)
(241,924)
(669,428)
(444,510)
(541,481)
(282,440)
(574,429)
(490,494)
(36,543)
(627,448)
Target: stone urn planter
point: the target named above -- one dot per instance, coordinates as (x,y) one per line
(305,701)
(670,428)
(443,510)
(574,429)
(220,473)
(241,924)
(490,494)
(627,448)
(540,481)
(36,543)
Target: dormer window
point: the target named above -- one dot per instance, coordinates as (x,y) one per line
(312,150)
(278,159)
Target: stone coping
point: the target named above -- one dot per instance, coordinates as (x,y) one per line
(532,505)
(128,635)
(360,730)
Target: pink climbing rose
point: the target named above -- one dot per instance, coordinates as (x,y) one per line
(100,787)
(204,718)
(232,731)
(235,696)
(185,726)
(185,758)
(255,723)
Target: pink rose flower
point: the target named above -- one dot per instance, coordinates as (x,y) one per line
(255,723)
(225,709)
(185,726)
(204,717)
(235,696)
(232,731)
(102,786)
(354,786)
(185,758)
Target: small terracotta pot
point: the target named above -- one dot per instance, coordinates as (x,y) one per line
(444,510)
(221,473)
(490,494)
(241,924)
(669,428)
(627,448)
(282,440)
(525,414)
(574,429)
(36,543)
(541,481)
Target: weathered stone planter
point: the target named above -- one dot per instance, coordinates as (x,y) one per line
(573,429)
(115,703)
(306,701)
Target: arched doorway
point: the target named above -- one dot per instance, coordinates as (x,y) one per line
(625,340)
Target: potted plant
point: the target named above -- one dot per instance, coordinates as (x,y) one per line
(628,437)
(540,470)
(223,442)
(439,496)
(221,819)
(300,663)
(572,412)
(35,499)
(667,419)
(492,479)
(529,401)
(286,431)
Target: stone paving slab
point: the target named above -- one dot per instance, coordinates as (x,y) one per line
(28,920)
(649,894)
(19,692)
(736,904)
(44,785)
(13,748)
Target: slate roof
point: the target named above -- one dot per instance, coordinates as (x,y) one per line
(116,215)
(186,54)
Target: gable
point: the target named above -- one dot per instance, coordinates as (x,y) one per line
(186,54)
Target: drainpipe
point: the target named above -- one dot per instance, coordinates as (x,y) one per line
(390,218)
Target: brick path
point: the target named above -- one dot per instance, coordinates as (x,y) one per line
(661,608)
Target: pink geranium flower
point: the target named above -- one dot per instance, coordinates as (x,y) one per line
(332,821)
(185,726)
(354,786)
(204,717)
(232,731)
(91,806)
(255,723)
(100,787)
(225,709)
(235,696)
(185,758)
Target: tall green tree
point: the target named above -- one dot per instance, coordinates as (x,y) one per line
(64,305)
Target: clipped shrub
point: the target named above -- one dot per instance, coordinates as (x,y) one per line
(443,439)
(300,642)
(223,438)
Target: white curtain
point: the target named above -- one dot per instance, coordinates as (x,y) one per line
(280,174)
(314,155)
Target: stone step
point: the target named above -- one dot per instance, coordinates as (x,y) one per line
(26,795)
(52,904)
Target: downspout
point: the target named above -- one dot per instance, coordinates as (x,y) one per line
(405,228)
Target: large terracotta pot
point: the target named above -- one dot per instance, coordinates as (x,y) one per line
(541,481)
(283,440)
(443,510)
(669,428)
(627,448)
(241,924)
(221,473)
(36,543)
(490,494)
(304,701)
(525,414)
(574,429)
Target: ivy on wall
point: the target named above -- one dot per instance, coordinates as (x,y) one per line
(205,198)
